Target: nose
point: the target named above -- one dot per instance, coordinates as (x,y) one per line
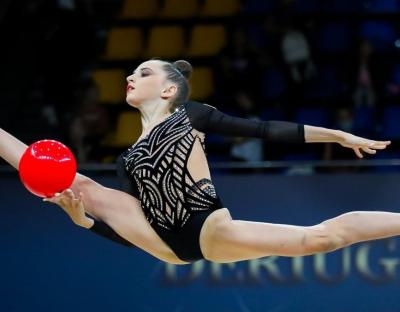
(130,78)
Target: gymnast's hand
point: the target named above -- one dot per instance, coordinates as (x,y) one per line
(357,143)
(73,206)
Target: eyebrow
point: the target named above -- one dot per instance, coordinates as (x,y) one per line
(143,69)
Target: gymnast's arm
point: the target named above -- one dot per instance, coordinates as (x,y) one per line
(75,208)
(206,118)
(12,149)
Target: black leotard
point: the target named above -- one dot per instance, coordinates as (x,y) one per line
(155,170)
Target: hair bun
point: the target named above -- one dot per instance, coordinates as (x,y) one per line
(183,67)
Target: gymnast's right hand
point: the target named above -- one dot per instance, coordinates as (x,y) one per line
(73,206)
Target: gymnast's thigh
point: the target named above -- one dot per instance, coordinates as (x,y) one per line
(124,214)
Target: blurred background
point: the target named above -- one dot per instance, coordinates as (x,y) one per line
(329,63)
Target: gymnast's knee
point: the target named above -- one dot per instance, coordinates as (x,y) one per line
(323,238)
(218,236)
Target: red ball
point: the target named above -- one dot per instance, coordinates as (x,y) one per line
(47,167)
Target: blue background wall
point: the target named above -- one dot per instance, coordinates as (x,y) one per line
(48,264)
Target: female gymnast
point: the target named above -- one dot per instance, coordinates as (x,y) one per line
(168,205)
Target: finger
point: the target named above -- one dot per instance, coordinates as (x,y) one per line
(77,198)
(62,200)
(378,145)
(68,193)
(358,153)
(80,197)
(381,142)
(368,150)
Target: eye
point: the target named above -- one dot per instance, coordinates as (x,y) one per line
(145,73)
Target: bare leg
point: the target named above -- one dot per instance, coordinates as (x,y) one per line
(11,149)
(235,240)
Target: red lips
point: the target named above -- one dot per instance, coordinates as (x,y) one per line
(129,88)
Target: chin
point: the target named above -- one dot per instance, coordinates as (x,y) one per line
(131,101)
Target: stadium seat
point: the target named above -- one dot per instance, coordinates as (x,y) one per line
(334,37)
(112,85)
(220,8)
(202,83)
(395,76)
(390,122)
(312,116)
(129,128)
(343,6)
(326,84)
(381,34)
(304,6)
(165,41)
(206,40)
(383,6)
(139,9)
(124,43)
(363,119)
(273,83)
(272,113)
(258,6)
(179,9)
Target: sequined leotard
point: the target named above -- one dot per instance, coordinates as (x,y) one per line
(158,164)
(168,172)
(174,203)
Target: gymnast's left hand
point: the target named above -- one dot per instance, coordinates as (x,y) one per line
(357,143)
(73,206)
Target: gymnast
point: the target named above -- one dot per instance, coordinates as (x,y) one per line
(168,205)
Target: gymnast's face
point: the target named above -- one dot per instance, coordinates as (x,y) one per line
(148,82)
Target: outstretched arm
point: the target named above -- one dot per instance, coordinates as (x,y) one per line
(75,209)
(206,118)
(122,215)
(12,149)
(320,135)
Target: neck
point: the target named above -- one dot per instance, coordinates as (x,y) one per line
(153,112)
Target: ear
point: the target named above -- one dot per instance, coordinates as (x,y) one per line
(169,91)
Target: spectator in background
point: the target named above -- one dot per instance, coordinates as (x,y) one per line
(70,26)
(272,31)
(393,85)
(364,90)
(344,120)
(39,114)
(237,67)
(246,149)
(89,125)
(299,66)
(297,56)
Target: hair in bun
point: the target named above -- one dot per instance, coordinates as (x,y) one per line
(183,67)
(179,72)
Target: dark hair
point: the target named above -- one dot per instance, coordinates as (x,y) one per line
(179,72)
